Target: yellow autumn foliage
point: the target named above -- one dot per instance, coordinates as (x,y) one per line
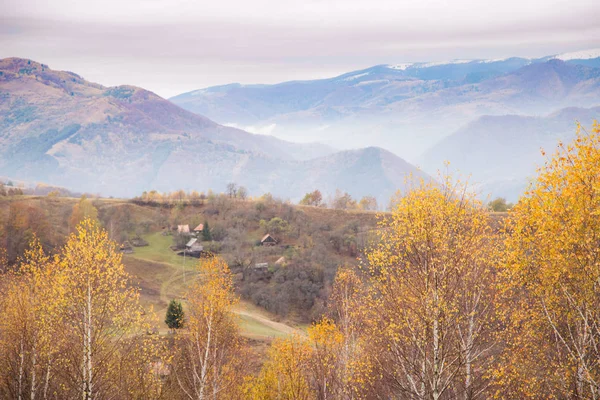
(551,279)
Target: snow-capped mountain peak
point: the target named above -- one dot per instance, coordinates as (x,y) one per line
(579,55)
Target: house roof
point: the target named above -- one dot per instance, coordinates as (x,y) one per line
(266,237)
(191,242)
(199,228)
(183,228)
(280,260)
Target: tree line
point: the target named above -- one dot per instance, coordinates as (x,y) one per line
(445,305)
(340,200)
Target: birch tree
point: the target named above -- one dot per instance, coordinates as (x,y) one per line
(551,279)
(29,320)
(285,372)
(102,310)
(429,311)
(209,364)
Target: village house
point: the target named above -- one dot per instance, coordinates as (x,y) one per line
(268,240)
(280,261)
(194,246)
(126,248)
(183,229)
(198,230)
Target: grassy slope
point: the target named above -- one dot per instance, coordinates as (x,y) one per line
(160,274)
(155,269)
(158,271)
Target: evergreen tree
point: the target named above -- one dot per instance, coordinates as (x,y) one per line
(174,318)
(206,235)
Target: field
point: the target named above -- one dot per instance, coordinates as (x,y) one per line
(159,272)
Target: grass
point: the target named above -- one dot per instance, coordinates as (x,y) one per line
(251,327)
(158,251)
(158,272)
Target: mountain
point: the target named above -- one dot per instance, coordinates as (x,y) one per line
(590,58)
(502,152)
(58,128)
(405,108)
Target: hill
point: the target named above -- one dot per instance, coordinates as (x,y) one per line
(311,244)
(404,108)
(501,152)
(58,128)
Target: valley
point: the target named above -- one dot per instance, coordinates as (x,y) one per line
(315,200)
(313,242)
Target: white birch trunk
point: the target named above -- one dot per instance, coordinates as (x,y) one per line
(21,367)
(33,371)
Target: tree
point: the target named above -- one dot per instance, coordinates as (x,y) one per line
(343,201)
(102,309)
(550,277)
(195,198)
(174,317)
(30,320)
(324,368)
(210,359)
(432,277)
(84,209)
(206,233)
(242,193)
(500,205)
(368,203)
(23,223)
(231,190)
(312,199)
(346,306)
(283,375)
(3,260)
(275,226)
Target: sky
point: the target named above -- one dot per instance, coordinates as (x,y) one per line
(175,46)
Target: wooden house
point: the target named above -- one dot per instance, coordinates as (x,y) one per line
(194,246)
(280,261)
(198,230)
(268,240)
(126,248)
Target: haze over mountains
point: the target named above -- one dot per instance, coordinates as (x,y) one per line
(413,109)
(58,128)
(501,152)
(405,108)
(489,118)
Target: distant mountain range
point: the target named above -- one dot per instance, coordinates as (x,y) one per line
(58,128)
(427,112)
(405,108)
(489,118)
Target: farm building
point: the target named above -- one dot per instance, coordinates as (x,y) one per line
(199,229)
(126,248)
(194,246)
(280,261)
(268,240)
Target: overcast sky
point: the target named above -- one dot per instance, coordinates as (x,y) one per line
(174,46)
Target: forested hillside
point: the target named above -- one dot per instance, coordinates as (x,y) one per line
(445,301)
(311,241)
